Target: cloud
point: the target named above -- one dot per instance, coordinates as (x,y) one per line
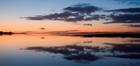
(55,16)
(78,12)
(87,24)
(124,18)
(88,12)
(66,16)
(125,15)
(82,8)
(125,10)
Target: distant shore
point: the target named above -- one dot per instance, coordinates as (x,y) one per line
(5,33)
(122,35)
(101,34)
(86,34)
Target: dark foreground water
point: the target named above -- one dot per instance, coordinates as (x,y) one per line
(47,50)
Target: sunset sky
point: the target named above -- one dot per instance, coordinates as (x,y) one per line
(15,13)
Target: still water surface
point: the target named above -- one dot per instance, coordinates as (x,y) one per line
(49,50)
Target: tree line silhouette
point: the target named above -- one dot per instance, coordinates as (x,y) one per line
(5,33)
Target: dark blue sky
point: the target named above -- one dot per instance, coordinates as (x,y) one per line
(17,8)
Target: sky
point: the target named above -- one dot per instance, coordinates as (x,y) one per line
(16,16)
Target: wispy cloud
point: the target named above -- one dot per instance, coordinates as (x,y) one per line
(125,15)
(132,2)
(124,18)
(126,10)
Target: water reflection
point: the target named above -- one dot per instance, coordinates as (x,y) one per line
(42,37)
(88,53)
(31,50)
(131,51)
(125,48)
(133,40)
(71,52)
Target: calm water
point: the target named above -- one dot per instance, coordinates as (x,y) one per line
(48,50)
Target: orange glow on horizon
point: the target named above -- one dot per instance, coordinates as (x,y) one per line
(23,25)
